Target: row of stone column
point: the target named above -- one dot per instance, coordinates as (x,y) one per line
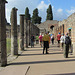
(30,29)
(26,30)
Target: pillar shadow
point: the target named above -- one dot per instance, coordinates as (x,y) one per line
(35,50)
(54,46)
(40,62)
(62,74)
(41,54)
(35,47)
(72,57)
(54,49)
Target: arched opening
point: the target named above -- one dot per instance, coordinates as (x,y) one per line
(52,27)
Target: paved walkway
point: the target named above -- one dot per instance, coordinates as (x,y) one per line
(53,63)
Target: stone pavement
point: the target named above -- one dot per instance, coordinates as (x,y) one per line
(37,63)
(15,70)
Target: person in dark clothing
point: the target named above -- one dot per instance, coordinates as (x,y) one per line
(46,41)
(37,39)
(32,41)
(52,39)
(67,44)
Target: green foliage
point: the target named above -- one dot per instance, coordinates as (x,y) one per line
(39,20)
(49,13)
(35,18)
(27,15)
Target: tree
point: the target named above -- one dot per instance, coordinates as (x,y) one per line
(35,18)
(39,20)
(49,13)
(27,15)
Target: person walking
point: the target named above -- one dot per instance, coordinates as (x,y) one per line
(58,39)
(46,41)
(71,48)
(32,41)
(40,39)
(67,44)
(37,39)
(52,39)
(62,41)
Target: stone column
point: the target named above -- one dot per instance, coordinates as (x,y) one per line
(22,32)
(25,33)
(63,28)
(28,32)
(31,29)
(14,44)
(10,33)
(3,53)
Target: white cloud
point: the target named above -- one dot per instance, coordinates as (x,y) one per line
(58,14)
(72,10)
(60,10)
(42,6)
(8,14)
(42,2)
(20,5)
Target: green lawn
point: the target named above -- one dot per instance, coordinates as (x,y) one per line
(8,45)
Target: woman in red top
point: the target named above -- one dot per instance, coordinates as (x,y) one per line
(40,40)
(58,39)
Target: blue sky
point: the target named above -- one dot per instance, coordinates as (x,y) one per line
(61,8)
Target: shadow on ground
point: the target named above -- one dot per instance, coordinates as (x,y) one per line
(40,62)
(41,54)
(62,74)
(35,50)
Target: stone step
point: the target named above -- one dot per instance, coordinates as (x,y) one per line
(15,70)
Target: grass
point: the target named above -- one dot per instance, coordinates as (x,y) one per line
(8,45)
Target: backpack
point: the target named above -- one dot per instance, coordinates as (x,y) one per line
(67,40)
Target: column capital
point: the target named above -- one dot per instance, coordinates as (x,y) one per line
(6,1)
(3,1)
(14,8)
(22,14)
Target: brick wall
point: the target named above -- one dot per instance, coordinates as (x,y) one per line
(47,24)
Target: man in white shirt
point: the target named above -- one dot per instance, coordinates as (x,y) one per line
(62,41)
